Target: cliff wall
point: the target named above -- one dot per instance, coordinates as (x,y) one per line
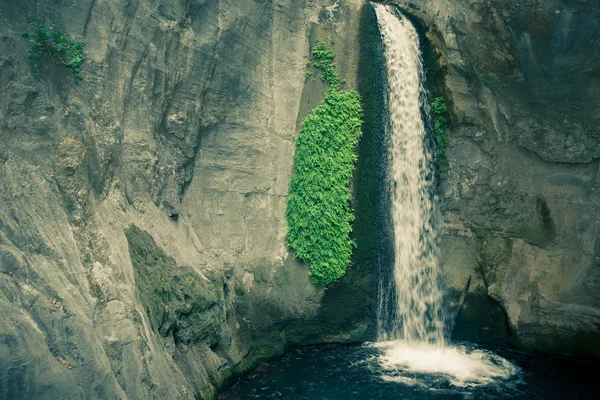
(519,193)
(142,228)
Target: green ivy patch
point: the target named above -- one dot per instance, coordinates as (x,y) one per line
(318,211)
(324,61)
(438,113)
(54,45)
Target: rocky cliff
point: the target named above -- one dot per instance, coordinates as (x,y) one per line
(519,193)
(142,250)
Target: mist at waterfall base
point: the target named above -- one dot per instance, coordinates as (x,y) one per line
(412,358)
(344,372)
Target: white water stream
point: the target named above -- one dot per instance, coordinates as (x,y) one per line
(410,321)
(413,294)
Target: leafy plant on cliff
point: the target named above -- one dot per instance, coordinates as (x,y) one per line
(438,113)
(54,45)
(323,60)
(318,212)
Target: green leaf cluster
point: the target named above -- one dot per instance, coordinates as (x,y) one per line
(323,60)
(438,110)
(55,45)
(318,212)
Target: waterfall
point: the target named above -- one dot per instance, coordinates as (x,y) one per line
(409,317)
(409,302)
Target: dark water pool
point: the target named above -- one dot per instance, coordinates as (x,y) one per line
(338,372)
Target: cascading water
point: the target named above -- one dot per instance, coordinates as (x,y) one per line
(409,306)
(410,324)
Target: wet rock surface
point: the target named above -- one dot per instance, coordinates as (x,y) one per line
(519,192)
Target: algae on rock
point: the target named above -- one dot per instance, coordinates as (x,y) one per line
(178,301)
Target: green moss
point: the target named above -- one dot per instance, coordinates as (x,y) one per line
(434,63)
(255,357)
(318,212)
(54,45)
(177,300)
(438,114)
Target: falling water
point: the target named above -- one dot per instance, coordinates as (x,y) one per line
(410,323)
(409,306)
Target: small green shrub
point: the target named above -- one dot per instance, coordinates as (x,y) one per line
(54,45)
(438,113)
(318,212)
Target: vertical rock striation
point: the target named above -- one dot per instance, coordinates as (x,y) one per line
(142,249)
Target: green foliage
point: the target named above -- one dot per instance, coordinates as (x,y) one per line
(318,212)
(438,110)
(54,45)
(308,73)
(324,61)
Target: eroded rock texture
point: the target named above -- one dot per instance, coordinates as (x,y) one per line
(142,250)
(519,195)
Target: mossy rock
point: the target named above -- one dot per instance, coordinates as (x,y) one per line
(177,299)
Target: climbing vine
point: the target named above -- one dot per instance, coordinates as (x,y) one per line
(318,212)
(54,45)
(438,113)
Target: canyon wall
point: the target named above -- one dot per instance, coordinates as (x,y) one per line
(519,192)
(142,229)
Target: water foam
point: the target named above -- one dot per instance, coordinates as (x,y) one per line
(459,365)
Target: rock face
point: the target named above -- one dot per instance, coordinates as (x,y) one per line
(519,194)
(142,250)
